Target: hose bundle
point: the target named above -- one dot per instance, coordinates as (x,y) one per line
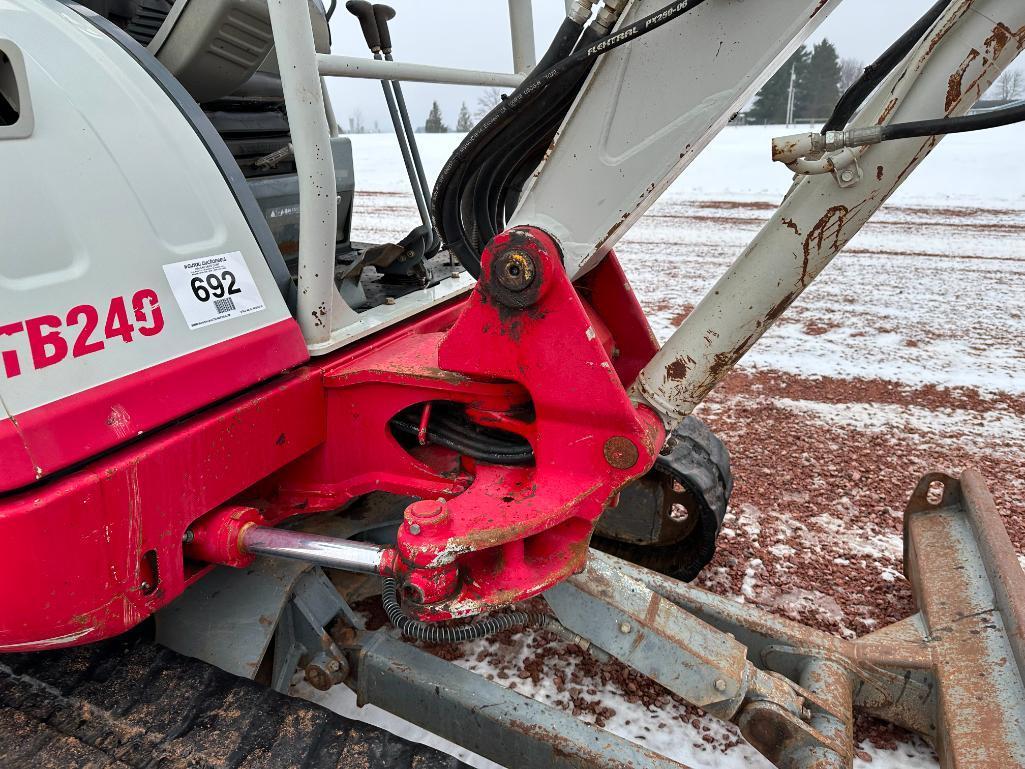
(481,182)
(449,427)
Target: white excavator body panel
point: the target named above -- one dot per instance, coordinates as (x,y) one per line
(124,246)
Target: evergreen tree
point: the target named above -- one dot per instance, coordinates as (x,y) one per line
(435,123)
(771,102)
(819,83)
(464,123)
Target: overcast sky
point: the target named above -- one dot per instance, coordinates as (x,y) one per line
(475,34)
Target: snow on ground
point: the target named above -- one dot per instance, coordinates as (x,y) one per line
(978,169)
(907,356)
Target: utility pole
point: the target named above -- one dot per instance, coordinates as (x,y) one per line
(790,97)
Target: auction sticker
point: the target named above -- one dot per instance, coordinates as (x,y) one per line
(213,288)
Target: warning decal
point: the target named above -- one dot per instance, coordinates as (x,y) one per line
(213,288)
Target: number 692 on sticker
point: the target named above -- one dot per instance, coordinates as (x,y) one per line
(81,331)
(213,289)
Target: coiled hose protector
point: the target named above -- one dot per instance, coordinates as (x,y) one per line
(433,633)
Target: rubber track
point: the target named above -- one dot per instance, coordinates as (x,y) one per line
(135,705)
(700,462)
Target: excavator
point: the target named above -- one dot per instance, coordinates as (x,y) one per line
(223,422)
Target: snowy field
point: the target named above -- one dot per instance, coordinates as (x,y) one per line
(908,355)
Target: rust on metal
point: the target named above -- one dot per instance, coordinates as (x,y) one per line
(782,149)
(827,228)
(621,453)
(565,748)
(953,673)
(791,224)
(677,370)
(884,116)
(993,47)
(971,593)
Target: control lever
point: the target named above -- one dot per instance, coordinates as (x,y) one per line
(384,14)
(423,241)
(364,13)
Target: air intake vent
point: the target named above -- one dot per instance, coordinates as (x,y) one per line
(10,104)
(16,119)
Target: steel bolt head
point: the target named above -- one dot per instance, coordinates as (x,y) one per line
(625,627)
(515,270)
(318,678)
(414,528)
(720,685)
(325,671)
(847,176)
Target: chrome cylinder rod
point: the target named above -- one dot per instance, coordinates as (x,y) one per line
(329,552)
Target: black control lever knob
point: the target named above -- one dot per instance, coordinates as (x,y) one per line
(364,11)
(384,14)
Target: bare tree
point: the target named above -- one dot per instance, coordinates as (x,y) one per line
(487,101)
(356,122)
(1009,86)
(850,71)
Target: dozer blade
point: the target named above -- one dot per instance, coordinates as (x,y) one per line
(970,590)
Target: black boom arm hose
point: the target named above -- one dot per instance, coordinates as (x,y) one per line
(878,70)
(953,125)
(438,634)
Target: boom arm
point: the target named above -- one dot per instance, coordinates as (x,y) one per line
(650,108)
(628,138)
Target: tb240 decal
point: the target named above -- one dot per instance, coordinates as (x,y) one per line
(82,330)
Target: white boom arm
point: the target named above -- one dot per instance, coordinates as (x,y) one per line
(651,106)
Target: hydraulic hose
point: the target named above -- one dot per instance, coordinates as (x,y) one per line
(502,173)
(448,432)
(462,199)
(561,47)
(878,70)
(434,633)
(449,202)
(792,149)
(524,150)
(953,125)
